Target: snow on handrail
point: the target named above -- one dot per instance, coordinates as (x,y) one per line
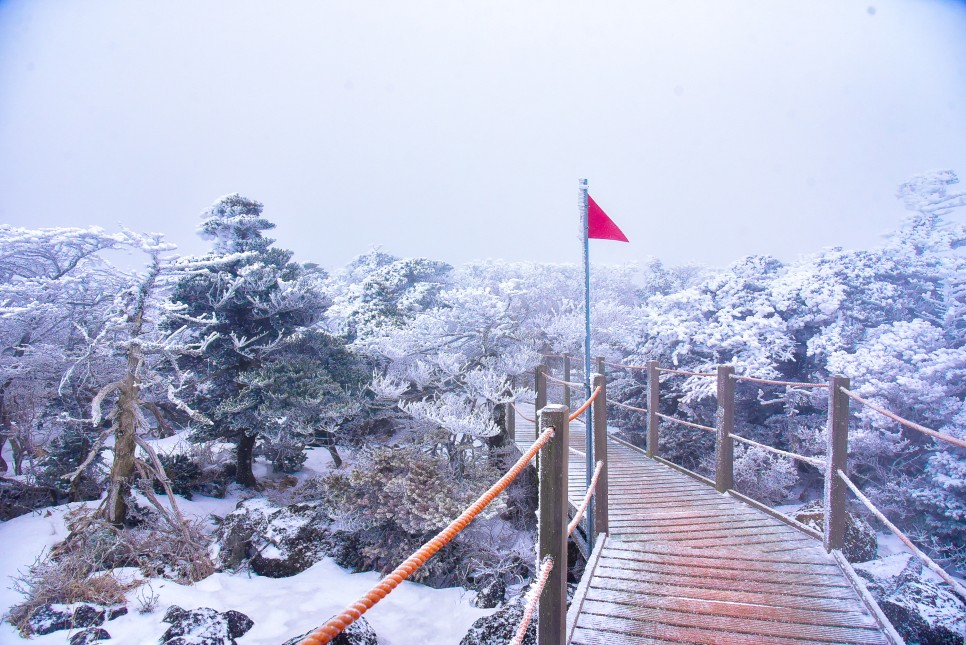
(909,424)
(560,380)
(766,381)
(586,404)
(534,593)
(525,417)
(629,407)
(686,423)
(668,370)
(815,461)
(935,568)
(591,491)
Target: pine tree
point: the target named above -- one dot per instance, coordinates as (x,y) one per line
(254,299)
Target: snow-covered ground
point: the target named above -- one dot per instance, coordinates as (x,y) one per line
(281,608)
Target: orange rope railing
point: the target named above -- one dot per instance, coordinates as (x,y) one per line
(668,370)
(686,423)
(815,461)
(586,404)
(766,381)
(935,568)
(629,407)
(626,367)
(336,624)
(591,491)
(535,593)
(525,417)
(905,422)
(561,381)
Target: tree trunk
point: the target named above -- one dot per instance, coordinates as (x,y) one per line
(496,455)
(125,431)
(18,455)
(3,463)
(336,459)
(243,461)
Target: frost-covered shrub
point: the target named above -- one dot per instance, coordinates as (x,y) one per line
(763,476)
(286,453)
(83,567)
(394,500)
(184,475)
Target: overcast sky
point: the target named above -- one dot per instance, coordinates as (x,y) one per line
(458,130)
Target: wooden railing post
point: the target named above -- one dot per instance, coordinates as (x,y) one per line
(552,528)
(566,377)
(540,385)
(653,402)
(724,469)
(600,366)
(510,419)
(838,450)
(600,454)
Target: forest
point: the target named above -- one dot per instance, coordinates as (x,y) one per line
(248,361)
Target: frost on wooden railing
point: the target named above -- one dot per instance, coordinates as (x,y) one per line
(833,464)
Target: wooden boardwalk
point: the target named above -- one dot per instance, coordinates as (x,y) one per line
(686,564)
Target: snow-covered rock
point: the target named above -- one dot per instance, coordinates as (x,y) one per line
(57,616)
(204,625)
(920,610)
(277,542)
(500,627)
(90,635)
(861,543)
(358,633)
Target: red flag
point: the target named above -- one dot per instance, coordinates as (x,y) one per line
(599,226)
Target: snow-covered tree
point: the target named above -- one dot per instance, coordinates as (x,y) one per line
(254,300)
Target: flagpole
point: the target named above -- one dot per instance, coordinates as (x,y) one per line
(589,418)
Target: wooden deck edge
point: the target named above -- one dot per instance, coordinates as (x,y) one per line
(732,492)
(867,599)
(684,471)
(792,522)
(581,592)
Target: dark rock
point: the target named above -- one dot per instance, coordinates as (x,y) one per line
(90,635)
(175,614)
(491,595)
(277,542)
(204,625)
(55,617)
(920,610)
(358,633)
(18,498)
(860,540)
(238,623)
(500,627)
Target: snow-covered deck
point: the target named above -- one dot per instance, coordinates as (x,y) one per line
(684,563)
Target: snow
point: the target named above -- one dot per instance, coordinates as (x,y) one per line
(280,607)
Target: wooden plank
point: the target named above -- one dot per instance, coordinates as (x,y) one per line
(614,557)
(695,521)
(613,630)
(715,607)
(832,634)
(712,573)
(772,599)
(718,583)
(642,525)
(716,561)
(806,556)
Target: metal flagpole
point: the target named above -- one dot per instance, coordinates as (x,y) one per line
(589,418)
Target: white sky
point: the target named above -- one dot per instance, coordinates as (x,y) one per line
(458,130)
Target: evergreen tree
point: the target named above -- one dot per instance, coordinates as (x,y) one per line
(254,299)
